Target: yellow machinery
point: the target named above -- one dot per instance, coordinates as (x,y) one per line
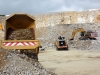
(0,26)
(20,21)
(75,31)
(61,44)
(84,35)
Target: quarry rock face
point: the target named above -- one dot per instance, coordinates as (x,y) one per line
(48,28)
(72,17)
(48,35)
(1,35)
(52,25)
(85,45)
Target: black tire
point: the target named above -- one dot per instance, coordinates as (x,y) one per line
(71,39)
(66,48)
(95,39)
(92,38)
(83,38)
(57,48)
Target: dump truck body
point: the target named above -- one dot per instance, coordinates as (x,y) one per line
(19,44)
(16,28)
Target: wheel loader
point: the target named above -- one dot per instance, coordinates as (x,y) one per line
(84,35)
(20,22)
(61,43)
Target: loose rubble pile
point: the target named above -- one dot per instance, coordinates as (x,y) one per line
(85,45)
(20,64)
(1,35)
(24,34)
(21,34)
(50,34)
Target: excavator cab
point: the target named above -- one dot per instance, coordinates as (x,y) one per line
(77,30)
(83,35)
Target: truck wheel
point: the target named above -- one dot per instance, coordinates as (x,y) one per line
(83,38)
(92,38)
(66,48)
(57,48)
(33,56)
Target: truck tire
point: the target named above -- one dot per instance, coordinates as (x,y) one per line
(66,48)
(57,48)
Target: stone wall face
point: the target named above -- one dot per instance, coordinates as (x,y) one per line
(50,26)
(1,18)
(48,35)
(73,17)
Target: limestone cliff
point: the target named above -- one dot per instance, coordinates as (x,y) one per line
(72,17)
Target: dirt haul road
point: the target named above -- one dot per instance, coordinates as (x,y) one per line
(72,62)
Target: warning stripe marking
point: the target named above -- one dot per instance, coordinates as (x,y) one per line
(19,43)
(31,43)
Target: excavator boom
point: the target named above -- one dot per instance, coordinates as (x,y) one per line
(85,35)
(75,31)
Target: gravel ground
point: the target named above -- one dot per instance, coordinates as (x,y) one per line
(20,64)
(71,62)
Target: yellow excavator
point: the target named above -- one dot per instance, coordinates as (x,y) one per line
(85,35)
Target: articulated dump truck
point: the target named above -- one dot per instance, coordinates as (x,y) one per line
(19,31)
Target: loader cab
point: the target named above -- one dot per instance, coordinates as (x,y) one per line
(61,41)
(61,44)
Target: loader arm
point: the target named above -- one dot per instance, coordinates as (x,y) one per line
(75,31)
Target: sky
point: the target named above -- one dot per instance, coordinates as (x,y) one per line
(46,6)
